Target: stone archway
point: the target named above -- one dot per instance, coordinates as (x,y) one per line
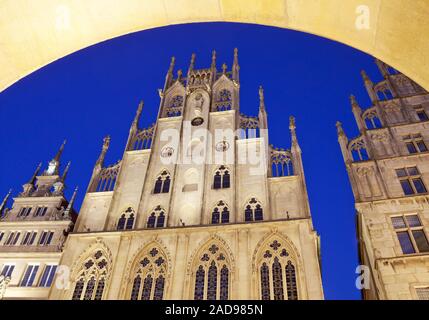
(35,33)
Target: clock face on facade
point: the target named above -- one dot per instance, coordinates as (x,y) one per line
(167,152)
(222,146)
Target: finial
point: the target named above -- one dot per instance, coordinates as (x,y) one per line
(36,172)
(66,170)
(3,203)
(365,76)
(179,74)
(138,114)
(235,67)
(292,125)
(213,59)
(353,101)
(172,62)
(105,147)
(60,151)
(261,98)
(340,130)
(191,65)
(70,205)
(224,66)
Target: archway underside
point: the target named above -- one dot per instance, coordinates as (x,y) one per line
(35,33)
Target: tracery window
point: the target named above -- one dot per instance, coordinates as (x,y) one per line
(162,183)
(107,178)
(212,274)
(149,276)
(91,279)
(372,121)
(156,218)
(126,221)
(249,127)
(224,100)
(253,211)
(277,273)
(358,150)
(220,213)
(281,163)
(222,178)
(175,107)
(143,139)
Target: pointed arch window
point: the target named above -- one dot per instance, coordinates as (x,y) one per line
(222,178)
(220,213)
(253,211)
(162,183)
(277,273)
(149,274)
(359,150)
(224,100)
(281,163)
(91,279)
(126,220)
(156,218)
(212,274)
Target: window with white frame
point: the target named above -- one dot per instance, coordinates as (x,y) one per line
(415,143)
(7,270)
(29,238)
(48,275)
(24,212)
(46,238)
(29,275)
(40,211)
(410,233)
(13,237)
(411,181)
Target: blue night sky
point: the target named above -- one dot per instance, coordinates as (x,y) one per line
(95,92)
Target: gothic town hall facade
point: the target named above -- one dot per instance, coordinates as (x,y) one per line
(200,206)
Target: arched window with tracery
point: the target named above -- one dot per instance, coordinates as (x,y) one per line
(92,277)
(253,210)
(106,178)
(281,163)
(224,100)
(126,220)
(143,139)
(156,218)
(174,109)
(359,150)
(149,274)
(222,178)
(372,121)
(212,274)
(162,183)
(220,213)
(277,272)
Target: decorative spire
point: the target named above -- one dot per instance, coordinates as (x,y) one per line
(66,170)
(192,64)
(137,116)
(292,128)
(172,62)
(261,99)
(354,102)
(70,205)
(235,67)
(36,172)
(4,202)
(179,74)
(340,130)
(213,66)
(60,151)
(105,147)
(365,76)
